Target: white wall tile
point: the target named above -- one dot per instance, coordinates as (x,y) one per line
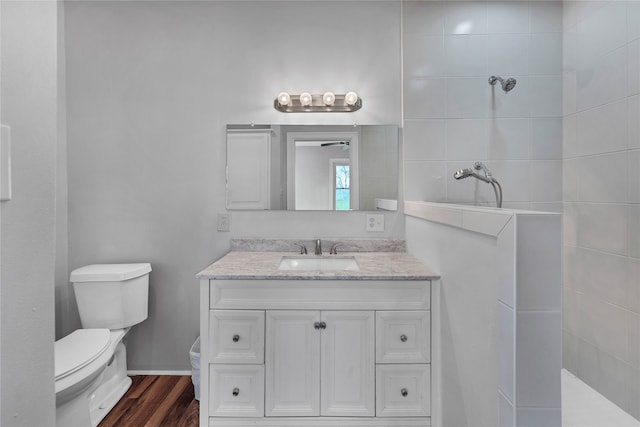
(596,185)
(570,222)
(514,176)
(594,81)
(633,122)
(425,56)
(466,55)
(425,98)
(467,97)
(634,340)
(425,139)
(633,64)
(506,412)
(546,138)
(423,18)
(570,180)
(539,243)
(603,32)
(425,181)
(545,54)
(602,129)
(507,17)
(633,20)
(570,145)
(634,231)
(538,358)
(465,17)
(601,226)
(506,349)
(545,16)
(467,139)
(633,186)
(546,176)
(508,54)
(533,417)
(509,139)
(545,96)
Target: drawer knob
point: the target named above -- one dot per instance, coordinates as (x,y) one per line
(403,338)
(236,338)
(404,392)
(320,325)
(236,391)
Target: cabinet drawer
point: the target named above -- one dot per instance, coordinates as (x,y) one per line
(236,391)
(403,337)
(236,336)
(403,390)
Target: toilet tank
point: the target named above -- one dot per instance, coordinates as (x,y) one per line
(112,296)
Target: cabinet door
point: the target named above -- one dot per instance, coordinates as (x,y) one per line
(292,362)
(348,366)
(248,170)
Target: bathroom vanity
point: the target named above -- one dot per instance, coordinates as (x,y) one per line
(302,340)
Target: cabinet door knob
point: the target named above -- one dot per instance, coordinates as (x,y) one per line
(323,325)
(403,338)
(316,325)
(236,391)
(404,392)
(236,338)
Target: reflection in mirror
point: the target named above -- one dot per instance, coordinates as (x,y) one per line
(311,167)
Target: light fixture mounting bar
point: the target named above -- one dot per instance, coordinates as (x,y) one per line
(317,105)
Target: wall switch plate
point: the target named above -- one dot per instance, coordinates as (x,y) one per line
(224,222)
(375,222)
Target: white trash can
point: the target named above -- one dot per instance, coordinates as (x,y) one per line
(194,355)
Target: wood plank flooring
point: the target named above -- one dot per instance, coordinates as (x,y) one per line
(156,401)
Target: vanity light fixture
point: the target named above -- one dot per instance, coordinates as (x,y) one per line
(328,102)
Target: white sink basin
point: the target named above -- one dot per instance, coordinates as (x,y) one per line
(317,263)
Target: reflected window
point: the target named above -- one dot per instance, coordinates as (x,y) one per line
(341,185)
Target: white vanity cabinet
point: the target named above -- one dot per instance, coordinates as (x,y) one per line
(315,352)
(320,363)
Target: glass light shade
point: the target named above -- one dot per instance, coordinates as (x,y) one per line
(284,98)
(305,99)
(328,98)
(351,98)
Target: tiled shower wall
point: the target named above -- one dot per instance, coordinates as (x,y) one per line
(453,117)
(602,197)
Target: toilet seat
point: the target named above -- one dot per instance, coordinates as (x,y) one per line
(78,349)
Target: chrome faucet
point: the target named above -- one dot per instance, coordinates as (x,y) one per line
(334,248)
(318,247)
(303,248)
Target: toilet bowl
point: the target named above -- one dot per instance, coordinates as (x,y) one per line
(91,363)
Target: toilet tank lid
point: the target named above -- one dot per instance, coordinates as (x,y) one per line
(109,272)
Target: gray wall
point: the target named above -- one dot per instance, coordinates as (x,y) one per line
(28,105)
(150,88)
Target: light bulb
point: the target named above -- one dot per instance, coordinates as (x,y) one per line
(351,98)
(328,98)
(305,99)
(284,98)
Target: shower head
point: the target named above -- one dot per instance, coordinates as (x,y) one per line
(507,85)
(463,173)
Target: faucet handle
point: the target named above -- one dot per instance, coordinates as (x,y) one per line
(303,248)
(333,250)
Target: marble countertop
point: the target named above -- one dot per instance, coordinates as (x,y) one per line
(264,266)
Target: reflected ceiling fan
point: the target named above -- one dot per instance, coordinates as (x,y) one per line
(343,144)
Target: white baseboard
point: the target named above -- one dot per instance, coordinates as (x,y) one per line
(159,373)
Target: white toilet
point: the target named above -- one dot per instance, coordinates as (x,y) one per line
(91,363)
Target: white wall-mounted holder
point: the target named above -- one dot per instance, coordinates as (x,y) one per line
(328,102)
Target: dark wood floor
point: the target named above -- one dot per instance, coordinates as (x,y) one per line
(154,401)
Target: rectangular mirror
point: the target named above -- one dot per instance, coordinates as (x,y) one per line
(312,167)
